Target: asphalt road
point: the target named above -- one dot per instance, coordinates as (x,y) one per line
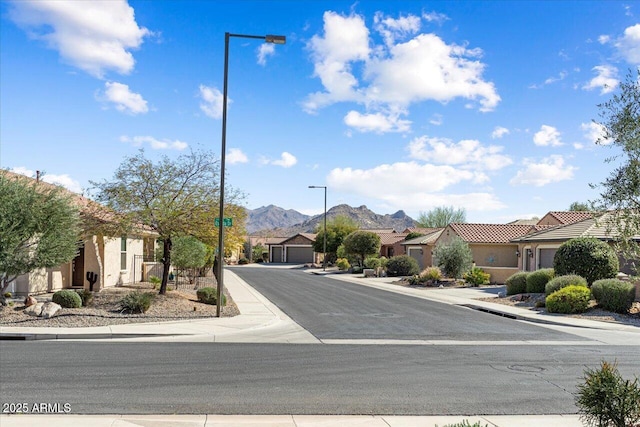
(183,378)
(333,309)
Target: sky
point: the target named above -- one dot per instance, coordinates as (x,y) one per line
(397,105)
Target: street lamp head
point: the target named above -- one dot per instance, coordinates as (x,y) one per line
(270,38)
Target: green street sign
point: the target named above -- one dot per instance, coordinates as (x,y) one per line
(227,222)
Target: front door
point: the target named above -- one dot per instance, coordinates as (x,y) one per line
(77,277)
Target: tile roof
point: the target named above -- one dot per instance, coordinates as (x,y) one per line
(589,227)
(422,230)
(428,239)
(490,233)
(569,217)
(391,238)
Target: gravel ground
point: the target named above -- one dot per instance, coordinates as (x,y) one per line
(175,305)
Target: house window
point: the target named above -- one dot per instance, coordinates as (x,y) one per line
(123,253)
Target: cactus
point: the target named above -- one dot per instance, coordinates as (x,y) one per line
(92,278)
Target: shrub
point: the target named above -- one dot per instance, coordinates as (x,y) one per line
(155,280)
(402,265)
(243,261)
(67,298)
(454,258)
(614,295)
(537,280)
(431,273)
(209,295)
(560,282)
(568,300)
(587,257)
(343,264)
(372,262)
(476,277)
(86,297)
(605,399)
(517,283)
(8,295)
(136,302)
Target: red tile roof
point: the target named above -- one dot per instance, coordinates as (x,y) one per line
(391,238)
(490,233)
(569,217)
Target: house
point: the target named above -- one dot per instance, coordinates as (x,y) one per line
(391,243)
(491,245)
(538,249)
(421,248)
(297,249)
(113,260)
(563,217)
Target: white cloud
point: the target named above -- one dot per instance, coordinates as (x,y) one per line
(629,44)
(469,154)
(499,132)
(94,36)
(549,170)
(436,120)
(436,17)
(264,51)
(378,122)
(235,155)
(154,143)
(406,69)
(125,100)
(605,79)
(604,39)
(286,160)
(594,133)
(63,180)
(212,100)
(411,186)
(547,136)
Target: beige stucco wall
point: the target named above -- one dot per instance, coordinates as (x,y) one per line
(113,275)
(495,255)
(500,274)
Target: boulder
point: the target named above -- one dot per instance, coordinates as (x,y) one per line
(34,310)
(29,301)
(50,309)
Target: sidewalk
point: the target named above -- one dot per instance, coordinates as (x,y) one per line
(285,420)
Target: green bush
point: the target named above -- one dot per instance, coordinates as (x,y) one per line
(476,277)
(343,264)
(8,295)
(155,280)
(517,283)
(560,282)
(136,302)
(243,261)
(537,280)
(209,295)
(86,297)
(372,262)
(67,298)
(606,399)
(454,258)
(587,257)
(614,295)
(402,265)
(431,273)
(568,300)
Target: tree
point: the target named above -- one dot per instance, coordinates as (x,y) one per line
(189,254)
(454,258)
(620,125)
(172,197)
(40,228)
(441,216)
(588,257)
(579,207)
(338,229)
(361,244)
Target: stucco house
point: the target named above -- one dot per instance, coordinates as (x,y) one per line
(113,260)
(297,249)
(492,245)
(539,248)
(421,248)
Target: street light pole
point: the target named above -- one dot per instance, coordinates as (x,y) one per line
(324,243)
(269,39)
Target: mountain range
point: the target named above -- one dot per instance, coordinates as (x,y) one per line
(277,222)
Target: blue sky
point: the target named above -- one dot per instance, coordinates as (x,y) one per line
(485,106)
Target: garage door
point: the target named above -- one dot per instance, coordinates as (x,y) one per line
(276,254)
(546,258)
(416,253)
(299,255)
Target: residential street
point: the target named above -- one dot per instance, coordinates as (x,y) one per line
(474,362)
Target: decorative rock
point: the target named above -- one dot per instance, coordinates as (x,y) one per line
(50,309)
(501,295)
(29,301)
(34,310)
(369,272)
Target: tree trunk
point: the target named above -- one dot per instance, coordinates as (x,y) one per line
(166,264)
